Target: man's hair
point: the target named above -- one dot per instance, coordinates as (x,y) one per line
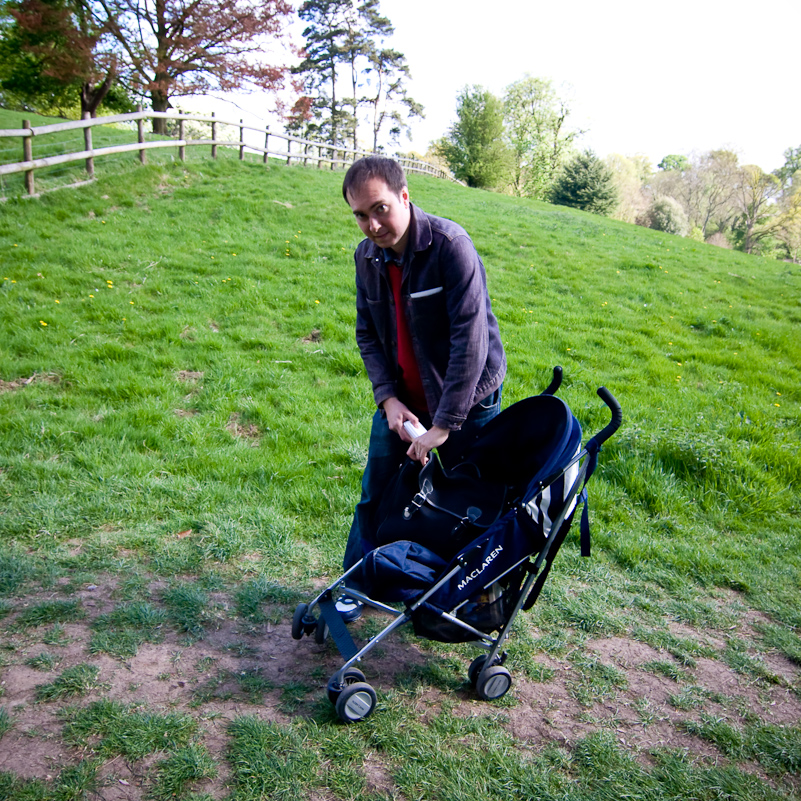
(361,171)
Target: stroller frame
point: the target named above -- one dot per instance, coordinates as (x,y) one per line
(353,698)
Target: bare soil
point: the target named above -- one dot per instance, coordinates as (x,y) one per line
(200,677)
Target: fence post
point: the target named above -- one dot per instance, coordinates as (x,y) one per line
(27,155)
(241,140)
(140,135)
(288,151)
(213,138)
(333,157)
(87,142)
(181,148)
(266,143)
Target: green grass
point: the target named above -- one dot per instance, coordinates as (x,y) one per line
(43,661)
(184,417)
(778,748)
(121,632)
(181,769)
(75,681)
(114,729)
(74,783)
(6,721)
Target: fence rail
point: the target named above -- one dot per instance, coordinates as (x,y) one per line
(319,154)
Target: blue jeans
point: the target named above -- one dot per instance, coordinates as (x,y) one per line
(387,452)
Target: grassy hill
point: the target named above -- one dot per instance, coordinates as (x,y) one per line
(183,410)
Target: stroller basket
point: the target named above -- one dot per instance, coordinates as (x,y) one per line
(459,553)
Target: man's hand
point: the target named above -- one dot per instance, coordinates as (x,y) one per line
(420,447)
(397,414)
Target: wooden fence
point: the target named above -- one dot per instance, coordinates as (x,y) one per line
(297,151)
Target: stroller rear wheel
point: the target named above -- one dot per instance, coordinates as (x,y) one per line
(352,675)
(476,666)
(356,702)
(321,632)
(494,683)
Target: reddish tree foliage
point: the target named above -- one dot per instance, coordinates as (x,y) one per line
(63,38)
(182,47)
(299,114)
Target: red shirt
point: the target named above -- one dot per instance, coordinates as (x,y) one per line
(410,385)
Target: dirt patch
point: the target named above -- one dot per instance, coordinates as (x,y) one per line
(21,383)
(189,376)
(314,336)
(243,668)
(249,432)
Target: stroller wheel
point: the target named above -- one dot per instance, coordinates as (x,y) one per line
(356,702)
(300,621)
(475,668)
(352,675)
(321,632)
(495,683)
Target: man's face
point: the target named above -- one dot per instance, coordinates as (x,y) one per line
(382,215)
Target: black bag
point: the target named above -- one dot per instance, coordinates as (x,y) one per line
(441,509)
(400,571)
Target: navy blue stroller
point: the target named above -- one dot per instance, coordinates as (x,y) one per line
(460,552)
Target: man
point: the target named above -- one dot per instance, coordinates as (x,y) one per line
(426,332)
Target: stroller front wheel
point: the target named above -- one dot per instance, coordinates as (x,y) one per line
(356,702)
(302,622)
(494,683)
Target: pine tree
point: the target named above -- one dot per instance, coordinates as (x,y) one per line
(586,183)
(344,41)
(325,35)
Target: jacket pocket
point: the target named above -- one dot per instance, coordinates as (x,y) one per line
(425,293)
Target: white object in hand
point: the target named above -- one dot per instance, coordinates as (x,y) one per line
(414,431)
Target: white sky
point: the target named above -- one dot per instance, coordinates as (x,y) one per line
(640,77)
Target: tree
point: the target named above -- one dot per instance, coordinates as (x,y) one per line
(535,129)
(347,37)
(389,99)
(788,227)
(52,55)
(757,221)
(183,47)
(366,26)
(705,187)
(630,175)
(792,164)
(474,146)
(674,163)
(585,183)
(326,30)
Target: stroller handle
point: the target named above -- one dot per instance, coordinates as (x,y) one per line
(556,381)
(617,418)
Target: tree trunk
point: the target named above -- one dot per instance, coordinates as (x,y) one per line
(160,102)
(92,96)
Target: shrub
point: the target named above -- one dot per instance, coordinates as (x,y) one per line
(666,214)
